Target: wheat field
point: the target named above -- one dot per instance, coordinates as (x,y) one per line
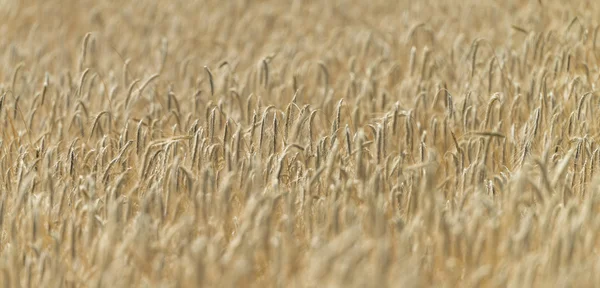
(288,143)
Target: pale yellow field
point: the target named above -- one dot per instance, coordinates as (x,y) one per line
(289,143)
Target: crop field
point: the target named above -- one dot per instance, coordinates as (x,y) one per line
(289,143)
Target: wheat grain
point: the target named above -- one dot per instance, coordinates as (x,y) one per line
(494,186)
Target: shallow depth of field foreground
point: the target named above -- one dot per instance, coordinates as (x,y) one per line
(287,143)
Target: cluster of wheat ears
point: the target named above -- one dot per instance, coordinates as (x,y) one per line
(289,143)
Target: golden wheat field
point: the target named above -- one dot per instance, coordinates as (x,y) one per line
(289,143)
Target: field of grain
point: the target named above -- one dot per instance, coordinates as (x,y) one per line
(288,143)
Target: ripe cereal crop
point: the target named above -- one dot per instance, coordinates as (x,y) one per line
(288,143)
